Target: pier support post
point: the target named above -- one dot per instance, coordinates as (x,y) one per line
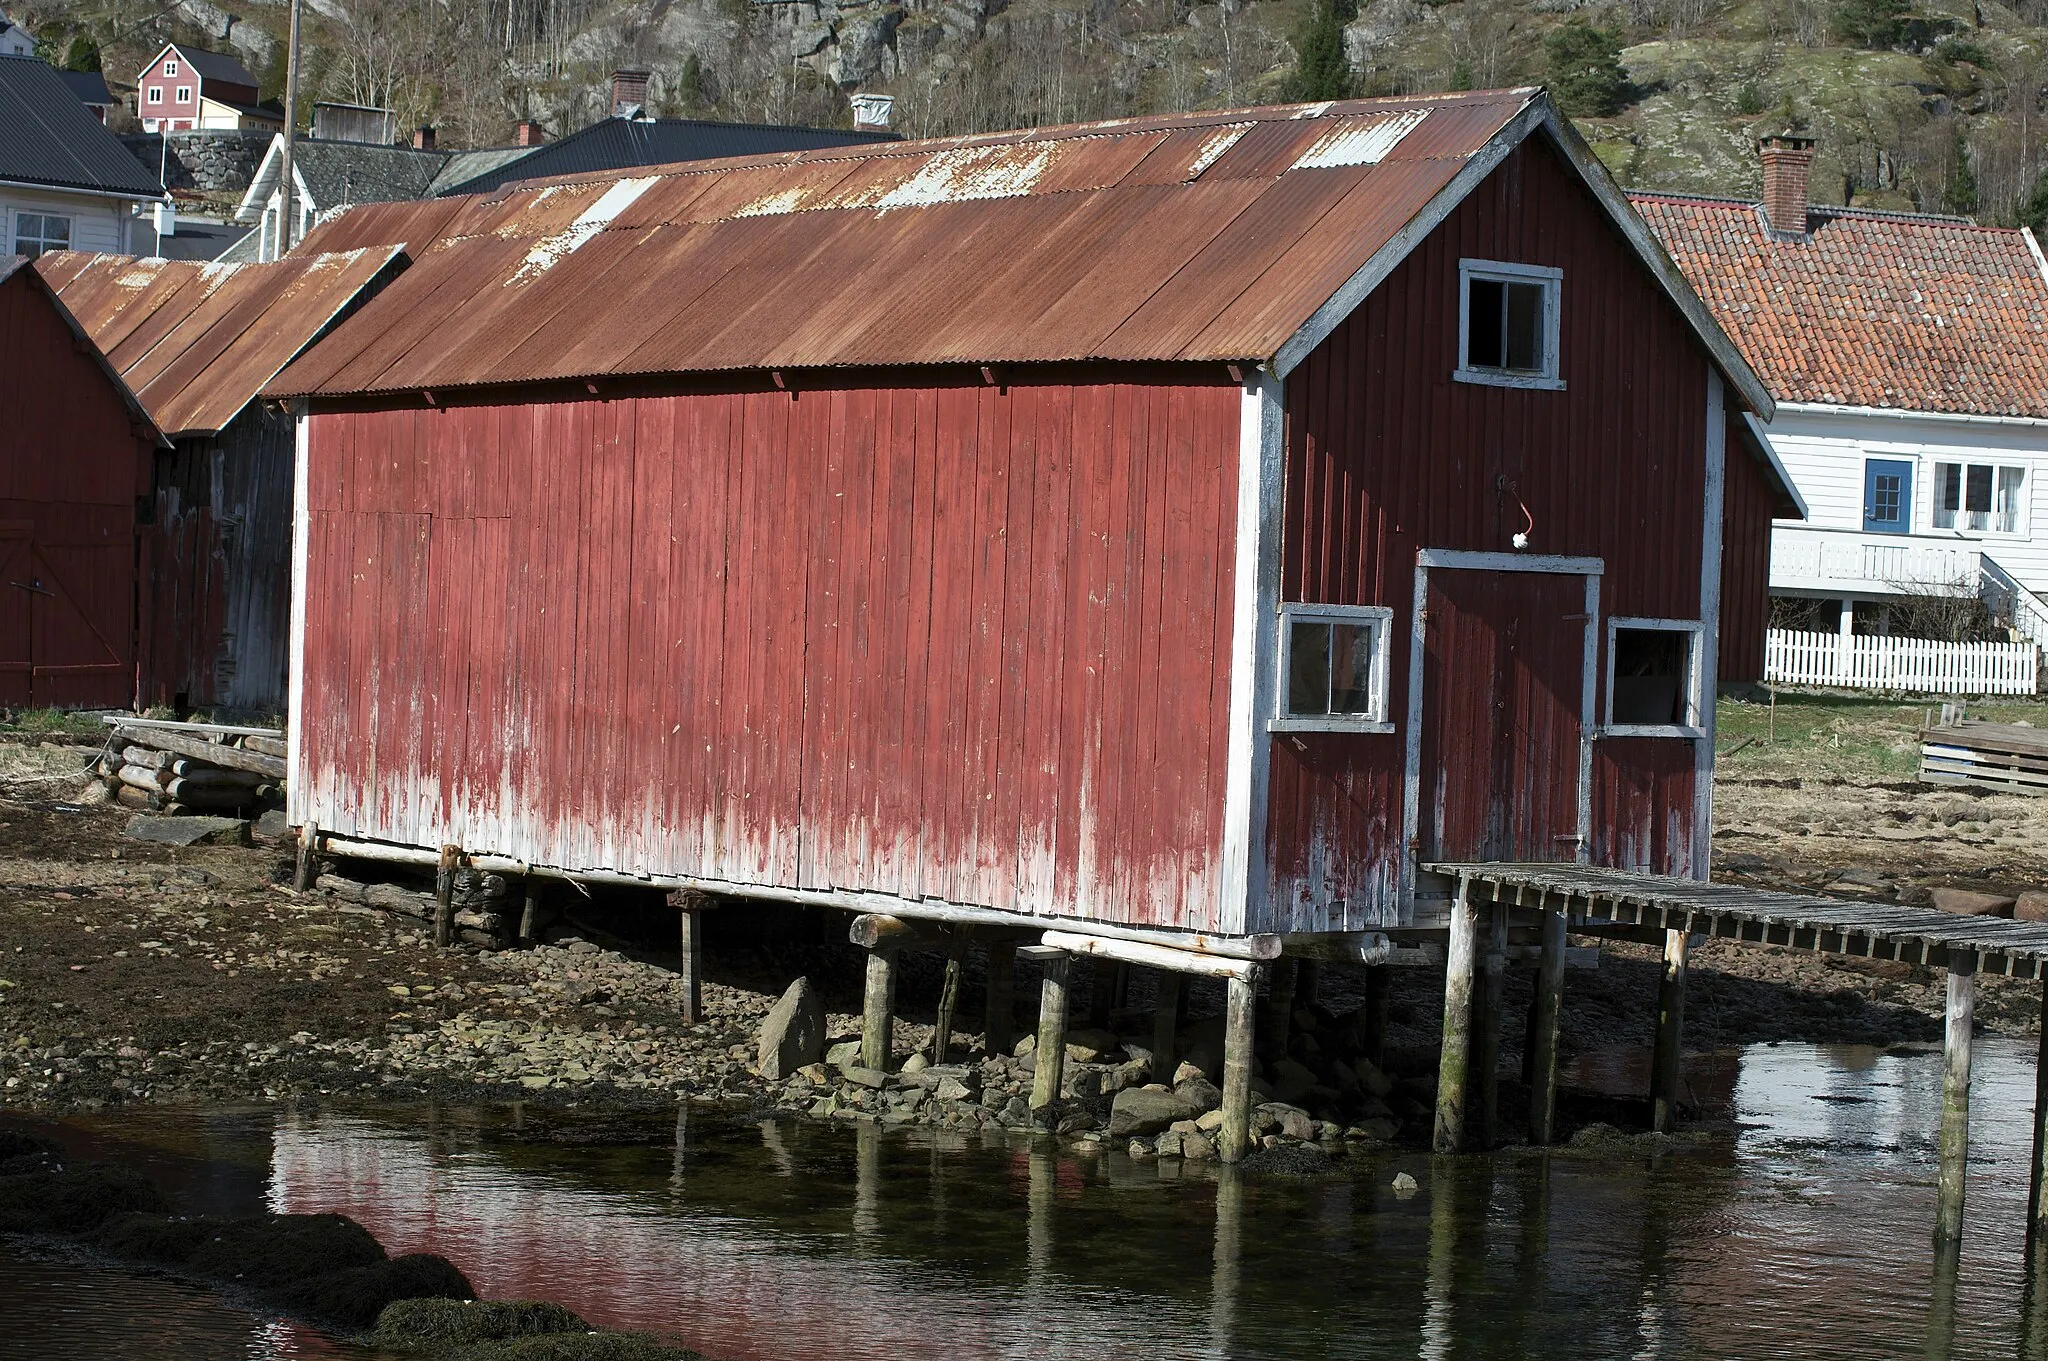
(1379,999)
(1486,1047)
(1667,1059)
(529,911)
(308,867)
(1050,1054)
(1955,1096)
(1101,991)
(1544,1007)
(1449,1132)
(1234,1136)
(999,1019)
(690,907)
(1279,1005)
(949,1000)
(444,896)
(1308,982)
(2037,1188)
(878,1008)
(1165,1024)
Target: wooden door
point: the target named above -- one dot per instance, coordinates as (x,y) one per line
(67,619)
(17,656)
(1504,662)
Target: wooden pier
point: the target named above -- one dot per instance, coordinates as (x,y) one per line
(1578,898)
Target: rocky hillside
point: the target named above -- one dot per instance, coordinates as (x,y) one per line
(1937,105)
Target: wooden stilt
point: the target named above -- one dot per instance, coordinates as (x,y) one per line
(1486,1046)
(1279,1017)
(1955,1097)
(1050,1053)
(1544,1006)
(1101,983)
(878,1009)
(2037,1190)
(1165,1025)
(1308,983)
(690,906)
(1379,997)
(444,896)
(1667,1059)
(1233,1138)
(1225,1270)
(308,867)
(949,1000)
(1448,1136)
(1941,1301)
(529,913)
(1120,987)
(999,1020)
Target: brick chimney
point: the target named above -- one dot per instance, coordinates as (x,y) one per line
(531,133)
(871,112)
(423,137)
(629,92)
(1788,165)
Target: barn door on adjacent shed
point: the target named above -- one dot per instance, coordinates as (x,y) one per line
(1502,711)
(17,656)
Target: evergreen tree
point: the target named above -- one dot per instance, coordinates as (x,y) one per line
(2032,211)
(1875,24)
(1960,197)
(1322,69)
(690,85)
(1584,70)
(81,54)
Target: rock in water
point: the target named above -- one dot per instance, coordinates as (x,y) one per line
(1147,1110)
(2032,906)
(793,1032)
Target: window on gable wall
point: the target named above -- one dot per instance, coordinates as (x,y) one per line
(1979,497)
(171,67)
(1508,317)
(1653,677)
(1333,668)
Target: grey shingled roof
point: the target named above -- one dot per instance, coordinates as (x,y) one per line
(48,137)
(361,172)
(622,143)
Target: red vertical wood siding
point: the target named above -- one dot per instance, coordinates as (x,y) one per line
(1387,454)
(1747,508)
(953,641)
(71,467)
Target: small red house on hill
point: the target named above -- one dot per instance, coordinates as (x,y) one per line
(75,450)
(1191,524)
(186,88)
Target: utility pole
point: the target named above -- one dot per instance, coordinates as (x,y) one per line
(291,113)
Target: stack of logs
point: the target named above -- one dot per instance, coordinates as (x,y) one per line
(187,769)
(483,912)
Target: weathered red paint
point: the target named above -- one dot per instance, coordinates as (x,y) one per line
(74,456)
(926,639)
(1749,503)
(1387,455)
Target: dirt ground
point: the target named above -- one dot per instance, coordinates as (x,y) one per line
(135,972)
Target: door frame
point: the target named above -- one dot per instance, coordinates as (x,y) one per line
(1449,559)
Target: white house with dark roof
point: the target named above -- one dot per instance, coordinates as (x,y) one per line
(66,183)
(15,41)
(1908,354)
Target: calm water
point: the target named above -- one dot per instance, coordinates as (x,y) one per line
(1801,1233)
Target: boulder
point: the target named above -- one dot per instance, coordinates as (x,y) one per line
(1293,1122)
(1196,1146)
(1291,1080)
(953,1089)
(1208,1122)
(1371,1078)
(188,831)
(1186,1071)
(872,1078)
(2031,906)
(1169,1144)
(1199,1092)
(1147,1110)
(1082,1083)
(843,1053)
(1966,902)
(793,1032)
(916,1063)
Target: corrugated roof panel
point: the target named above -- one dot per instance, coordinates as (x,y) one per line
(136,333)
(382,224)
(439,288)
(1267,151)
(1099,162)
(1359,141)
(1457,128)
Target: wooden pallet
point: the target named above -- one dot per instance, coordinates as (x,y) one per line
(2003,756)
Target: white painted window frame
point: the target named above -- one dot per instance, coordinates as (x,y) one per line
(1695,680)
(1508,272)
(1381,620)
(170,68)
(41,236)
(184,95)
(1936,461)
(154,95)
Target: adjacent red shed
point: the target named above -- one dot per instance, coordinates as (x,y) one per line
(74,469)
(1183,524)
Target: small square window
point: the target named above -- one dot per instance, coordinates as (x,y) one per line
(35,233)
(1333,668)
(171,67)
(1508,324)
(184,94)
(1653,677)
(156,94)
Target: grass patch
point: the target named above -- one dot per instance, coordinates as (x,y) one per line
(1864,738)
(54,722)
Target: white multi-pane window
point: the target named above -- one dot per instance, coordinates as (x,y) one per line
(171,67)
(1508,317)
(155,95)
(35,233)
(1333,668)
(1980,497)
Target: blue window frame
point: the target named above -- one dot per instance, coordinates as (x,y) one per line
(1887,496)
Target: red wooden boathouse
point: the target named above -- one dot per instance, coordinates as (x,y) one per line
(75,449)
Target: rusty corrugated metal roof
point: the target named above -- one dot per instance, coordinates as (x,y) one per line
(197,341)
(1201,237)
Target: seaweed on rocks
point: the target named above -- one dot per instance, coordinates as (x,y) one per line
(264,1252)
(73,1200)
(448,1323)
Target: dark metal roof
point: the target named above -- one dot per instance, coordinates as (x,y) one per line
(197,341)
(192,240)
(89,86)
(211,65)
(48,137)
(620,143)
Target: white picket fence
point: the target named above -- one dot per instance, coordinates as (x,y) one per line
(1913,665)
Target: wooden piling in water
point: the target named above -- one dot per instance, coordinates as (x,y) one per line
(999,1017)
(444,896)
(1234,1136)
(1379,998)
(1486,1039)
(1544,1007)
(1955,1097)
(1165,1024)
(949,999)
(2037,1187)
(1667,1058)
(1050,1053)
(1453,1062)
(878,1008)
(690,906)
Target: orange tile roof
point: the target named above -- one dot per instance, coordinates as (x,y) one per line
(1887,310)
